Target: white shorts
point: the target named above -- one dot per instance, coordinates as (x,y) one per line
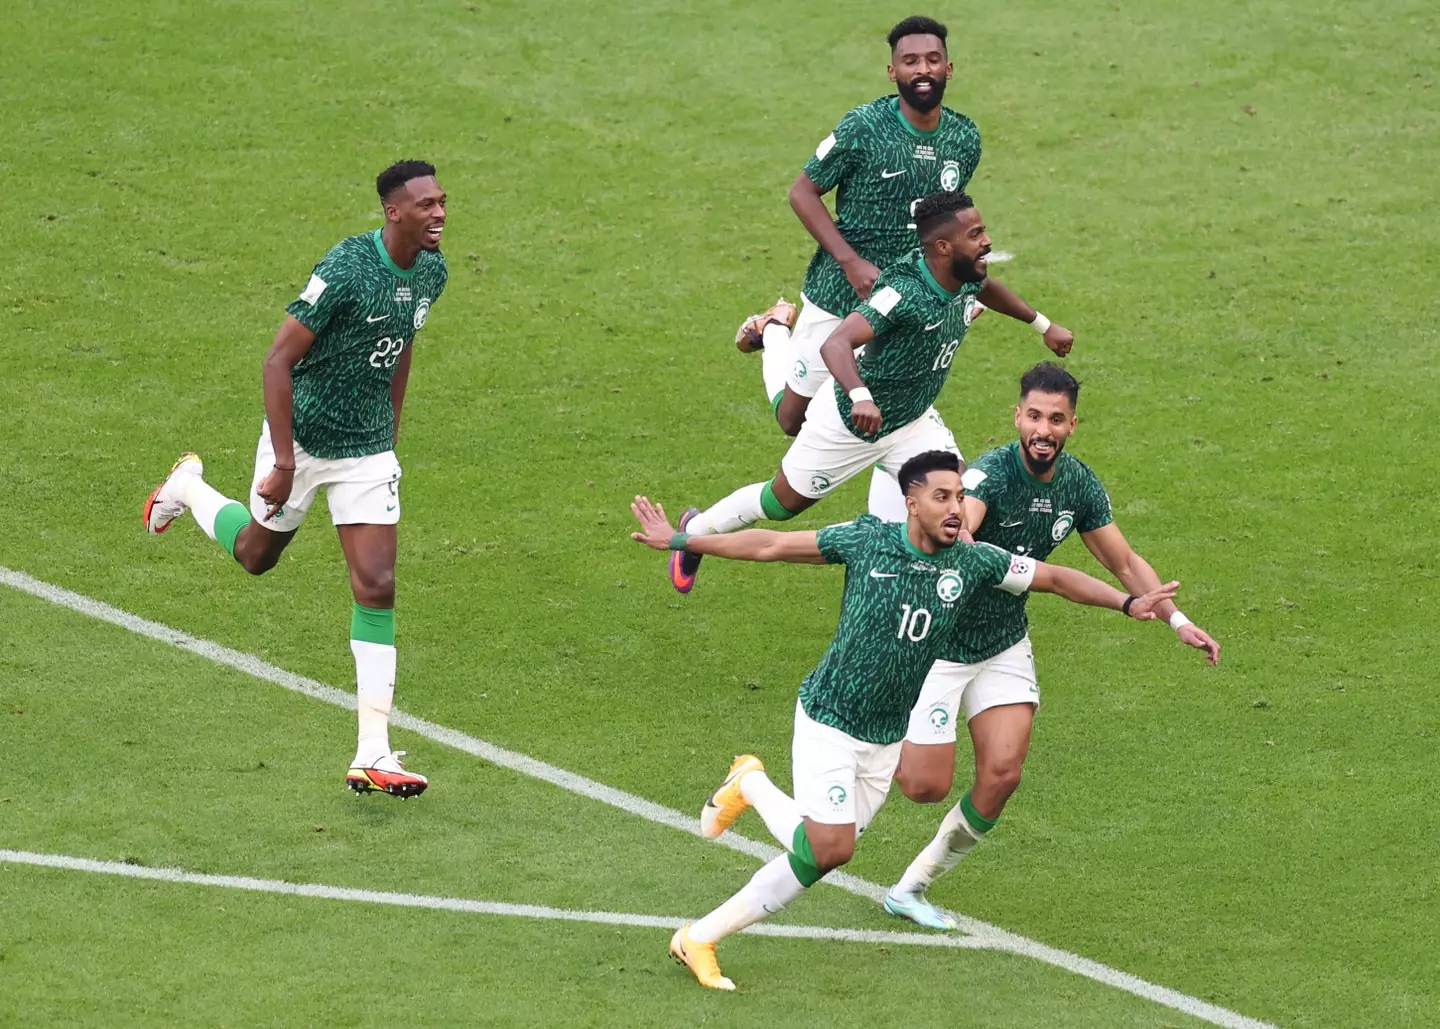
(826,454)
(359,490)
(812,329)
(1006,678)
(839,779)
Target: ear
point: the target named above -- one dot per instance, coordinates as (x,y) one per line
(890,70)
(1017,416)
(949,70)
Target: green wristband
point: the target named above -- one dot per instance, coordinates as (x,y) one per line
(678,541)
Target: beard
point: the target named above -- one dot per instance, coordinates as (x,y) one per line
(968,271)
(1042,464)
(923,104)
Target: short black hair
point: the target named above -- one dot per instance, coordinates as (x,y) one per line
(916,25)
(1049,377)
(934,211)
(914,471)
(399,173)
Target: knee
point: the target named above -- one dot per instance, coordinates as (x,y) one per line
(789,424)
(925,786)
(834,853)
(256,561)
(1000,778)
(374,587)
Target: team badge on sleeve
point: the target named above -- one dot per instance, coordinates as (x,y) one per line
(313,289)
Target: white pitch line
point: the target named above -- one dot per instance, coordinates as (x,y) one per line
(993,936)
(460,904)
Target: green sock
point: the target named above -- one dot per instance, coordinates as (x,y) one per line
(977,821)
(373,625)
(802,859)
(229,520)
(770,504)
(775,402)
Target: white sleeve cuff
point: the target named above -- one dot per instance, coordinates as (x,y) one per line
(1019,576)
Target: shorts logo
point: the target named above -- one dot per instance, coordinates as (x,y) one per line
(939,717)
(801,369)
(1062,526)
(421,313)
(950,176)
(395,483)
(819,482)
(837,797)
(949,586)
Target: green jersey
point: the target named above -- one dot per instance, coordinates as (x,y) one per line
(1023,516)
(918,327)
(900,604)
(881,165)
(364,312)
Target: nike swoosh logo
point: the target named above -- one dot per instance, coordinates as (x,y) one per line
(874,574)
(379,319)
(936,325)
(891,175)
(1011,525)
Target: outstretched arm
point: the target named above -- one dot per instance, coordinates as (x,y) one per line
(1113,550)
(999,297)
(657,533)
(805,200)
(1079,588)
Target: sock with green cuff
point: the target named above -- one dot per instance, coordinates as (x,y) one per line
(372,641)
(962,828)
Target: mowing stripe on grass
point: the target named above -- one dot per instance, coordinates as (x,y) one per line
(992,936)
(460,904)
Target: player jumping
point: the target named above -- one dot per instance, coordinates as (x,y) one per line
(334,385)
(880,411)
(1026,497)
(880,159)
(906,586)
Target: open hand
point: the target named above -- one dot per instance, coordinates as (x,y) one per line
(1059,339)
(1143,607)
(655,529)
(275,489)
(1194,636)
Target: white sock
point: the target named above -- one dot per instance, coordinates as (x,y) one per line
(739,510)
(780,812)
(767,893)
(374,693)
(886,501)
(203,500)
(775,359)
(950,845)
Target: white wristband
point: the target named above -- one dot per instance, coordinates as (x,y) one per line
(1041,324)
(1178,619)
(860,393)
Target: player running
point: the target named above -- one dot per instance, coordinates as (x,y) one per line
(334,386)
(1026,498)
(881,158)
(880,411)
(906,586)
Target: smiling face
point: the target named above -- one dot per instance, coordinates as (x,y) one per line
(1045,422)
(965,243)
(936,503)
(417,209)
(920,68)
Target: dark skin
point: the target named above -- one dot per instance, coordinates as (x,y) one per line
(954,253)
(414,214)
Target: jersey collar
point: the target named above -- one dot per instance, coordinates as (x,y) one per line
(385,256)
(913,550)
(940,290)
(900,116)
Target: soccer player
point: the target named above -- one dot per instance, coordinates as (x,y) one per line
(880,411)
(1026,498)
(334,385)
(906,587)
(881,158)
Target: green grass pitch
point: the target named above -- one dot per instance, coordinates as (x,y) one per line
(1231,204)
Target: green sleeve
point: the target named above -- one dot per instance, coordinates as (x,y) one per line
(843,543)
(836,156)
(1095,510)
(886,307)
(983,480)
(323,295)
